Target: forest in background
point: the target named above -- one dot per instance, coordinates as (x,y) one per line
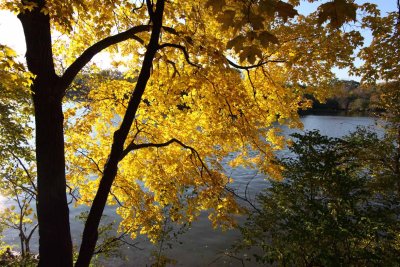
(349,97)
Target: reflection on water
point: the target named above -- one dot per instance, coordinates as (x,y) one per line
(202,245)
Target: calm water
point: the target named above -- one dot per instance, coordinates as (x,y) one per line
(201,245)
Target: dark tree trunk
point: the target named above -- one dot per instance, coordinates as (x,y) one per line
(55,245)
(90,233)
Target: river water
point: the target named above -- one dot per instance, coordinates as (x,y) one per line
(201,245)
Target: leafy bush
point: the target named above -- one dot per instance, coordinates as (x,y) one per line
(326,212)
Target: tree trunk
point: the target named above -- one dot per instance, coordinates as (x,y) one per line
(55,245)
(90,233)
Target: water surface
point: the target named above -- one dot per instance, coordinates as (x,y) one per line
(201,245)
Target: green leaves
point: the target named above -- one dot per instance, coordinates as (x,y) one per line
(337,12)
(328,197)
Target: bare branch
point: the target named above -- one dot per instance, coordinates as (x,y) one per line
(183,49)
(89,53)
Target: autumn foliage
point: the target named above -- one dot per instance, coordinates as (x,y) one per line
(197,81)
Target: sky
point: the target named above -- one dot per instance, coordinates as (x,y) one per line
(11,32)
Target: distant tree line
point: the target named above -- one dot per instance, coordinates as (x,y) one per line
(348,96)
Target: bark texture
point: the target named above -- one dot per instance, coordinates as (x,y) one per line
(55,245)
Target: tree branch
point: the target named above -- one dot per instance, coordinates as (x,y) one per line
(183,49)
(245,199)
(25,170)
(91,159)
(132,146)
(89,53)
(150,9)
(233,64)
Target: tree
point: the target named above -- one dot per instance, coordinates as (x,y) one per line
(382,69)
(17,175)
(201,79)
(328,211)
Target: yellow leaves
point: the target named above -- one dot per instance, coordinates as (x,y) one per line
(14,218)
(266,38)
(250,53)
(276,139)
(17,6)
(337,12)
(215,109)
(222,215)
(226,18)
(236,43)
(28,6)
(8,52)
(285,10)
(216,5)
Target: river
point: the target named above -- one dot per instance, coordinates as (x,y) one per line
(201,245)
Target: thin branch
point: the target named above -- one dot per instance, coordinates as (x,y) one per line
(91,159)
(32,231)
(89,53)
(183,49)
(137,8)
(25,170)
(175,69)
(116,199)
(227,254)
(103,247)
(25,189)
(133,146)
(245,199)
(252,84)
(71,193)
(233,64)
